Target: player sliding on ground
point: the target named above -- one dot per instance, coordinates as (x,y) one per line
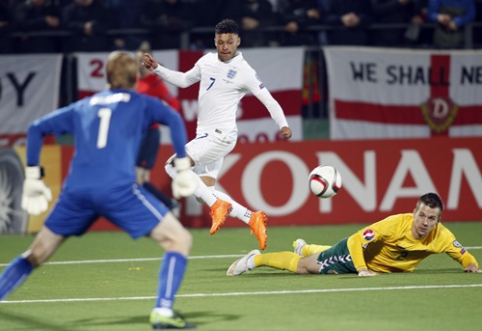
(225,77)
(108,128)
(396,244)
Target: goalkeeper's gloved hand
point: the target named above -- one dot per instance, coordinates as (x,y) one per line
(36,195)
(184,184)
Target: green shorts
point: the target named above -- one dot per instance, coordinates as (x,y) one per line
(336,259)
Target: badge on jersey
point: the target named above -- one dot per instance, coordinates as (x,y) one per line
(231,73)
(368,235)
(261,84)
(459,245)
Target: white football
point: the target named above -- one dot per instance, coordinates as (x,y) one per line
(324,181)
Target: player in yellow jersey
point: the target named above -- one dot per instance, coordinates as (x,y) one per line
(397,243)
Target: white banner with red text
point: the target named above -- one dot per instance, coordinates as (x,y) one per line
(29,89)
(281,71)
(382,93)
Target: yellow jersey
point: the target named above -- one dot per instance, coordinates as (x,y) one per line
(389,246)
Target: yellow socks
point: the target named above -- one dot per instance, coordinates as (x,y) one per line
(281,260)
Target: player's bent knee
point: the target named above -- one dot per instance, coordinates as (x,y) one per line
(172,236)
(186,239)
(308,265)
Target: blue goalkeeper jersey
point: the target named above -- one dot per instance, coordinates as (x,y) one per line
(108,128)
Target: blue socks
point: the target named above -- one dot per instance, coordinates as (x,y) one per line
(172,272)
(14,275)
(171,275)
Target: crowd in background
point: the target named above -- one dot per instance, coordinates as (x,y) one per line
(44,26)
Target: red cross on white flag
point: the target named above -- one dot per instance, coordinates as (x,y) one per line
(380,93)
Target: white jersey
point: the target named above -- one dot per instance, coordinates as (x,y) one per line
(222,86)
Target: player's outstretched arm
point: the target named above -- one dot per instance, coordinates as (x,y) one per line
(149,62)
(472,268)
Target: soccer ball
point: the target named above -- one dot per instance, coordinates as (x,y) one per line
(324,181)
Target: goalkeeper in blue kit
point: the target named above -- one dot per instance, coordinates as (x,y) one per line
(108,128)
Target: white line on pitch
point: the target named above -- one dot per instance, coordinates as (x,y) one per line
(201,295)
(157,259)
(147,259)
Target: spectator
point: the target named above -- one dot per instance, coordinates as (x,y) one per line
(37,15)
(295,16)
(126,14)
(451,16)
(252,16)
(349,18)
(167,20)
(477,30)
(89,21)
(6,25)
(398,12)
(213,11)
(424,34)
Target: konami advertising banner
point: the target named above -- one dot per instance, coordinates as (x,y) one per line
(380,178)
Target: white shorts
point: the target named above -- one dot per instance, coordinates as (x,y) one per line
(208,151)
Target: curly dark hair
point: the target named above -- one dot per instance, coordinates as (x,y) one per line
(227,26)
(432,200)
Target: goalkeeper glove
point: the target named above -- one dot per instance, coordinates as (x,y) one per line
(184,183)
(36,195)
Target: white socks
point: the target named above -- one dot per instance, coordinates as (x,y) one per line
(209,195)
(240,212)
(166,312)
(202,191)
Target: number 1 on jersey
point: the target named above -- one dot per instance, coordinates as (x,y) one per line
(104,114)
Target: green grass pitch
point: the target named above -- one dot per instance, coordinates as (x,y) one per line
(106,281)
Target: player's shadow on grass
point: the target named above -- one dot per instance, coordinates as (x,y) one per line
(29,322)
(192,317)
(438,271)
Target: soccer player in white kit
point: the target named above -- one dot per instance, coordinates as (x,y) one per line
(225,78)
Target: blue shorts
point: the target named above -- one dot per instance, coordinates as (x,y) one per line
(130,207)
(146,158)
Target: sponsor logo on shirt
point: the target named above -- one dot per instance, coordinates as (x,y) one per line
(368,235)
(261,84)
(459,245)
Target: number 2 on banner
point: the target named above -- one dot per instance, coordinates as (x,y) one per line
(104,114)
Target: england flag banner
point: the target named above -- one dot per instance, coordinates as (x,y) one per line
(280,70)
(380,93)
(29,89)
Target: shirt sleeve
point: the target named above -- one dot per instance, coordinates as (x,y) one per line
(180,79)
(375,232)
(455,249)
(356,252)
(256,86)
(57,122)
(167,116)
